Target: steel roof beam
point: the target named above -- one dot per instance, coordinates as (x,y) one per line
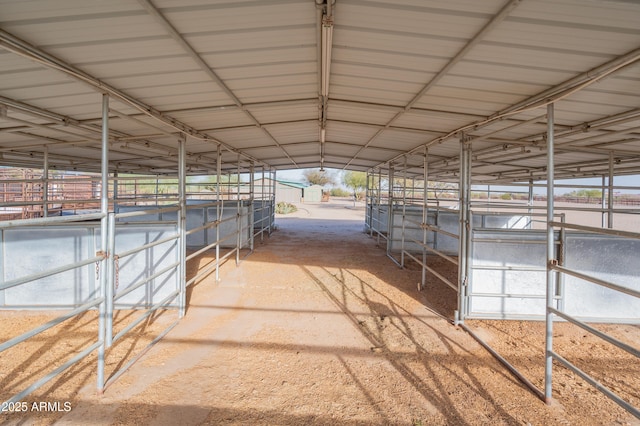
(20,47)
(162,20)
(497,19)
(553,94)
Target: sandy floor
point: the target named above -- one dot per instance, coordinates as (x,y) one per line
(318,326)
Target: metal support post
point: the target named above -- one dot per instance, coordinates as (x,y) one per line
(550,257)
(45,183)
(603,201)
(110,272)
(115,191)
(262,202)
(218,210)
(252,219)
(530,203)
(367,201)
(182,224)
(464,191)
(272,199)
(390,212)
(610,193)
(238,221)
(157,188)
(404,211)
(378,204)
(425,217)
(104,207)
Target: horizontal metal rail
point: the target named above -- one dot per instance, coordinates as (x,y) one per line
(44,380)
(43,221)
(433,271)
(513,295)
(203,205)
(228,254)
(595,280)
(413,222)
(126,253)
(603,231)
(49,272)
(146,212)
(202,272)
(434,228)
(435,251)
(142,317)
(44,327)
(202,250)
(504,362)
(142,282)
(508,268)
(599,386)
(625,347)
(510,241)
(128,365)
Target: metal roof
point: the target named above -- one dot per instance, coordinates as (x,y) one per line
(354,84)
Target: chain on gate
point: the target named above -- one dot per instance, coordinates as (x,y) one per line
(116,260)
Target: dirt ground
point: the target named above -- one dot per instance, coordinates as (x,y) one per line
(318,326)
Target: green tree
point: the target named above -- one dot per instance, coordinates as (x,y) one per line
(317,177)
(356,181)
(587,193)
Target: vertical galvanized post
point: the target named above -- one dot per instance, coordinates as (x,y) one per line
(115,191)
(272,200)
(238,221)
(379,203)
(463,243)
(404,211)
(610,193)
(45,183)
(104,208)
(390,212)
(111,251)
(530,203)
(252,219)
(603,201)
(218,210)
(157,189)
(550,257)
(182,224)
(366,199)
(262,202)
(425,217)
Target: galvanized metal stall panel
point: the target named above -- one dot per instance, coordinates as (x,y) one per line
(609,258)
(136,267)
(508,276)
(448,221)
(38,249)
(199,216)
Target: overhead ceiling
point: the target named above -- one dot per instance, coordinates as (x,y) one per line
(356,84)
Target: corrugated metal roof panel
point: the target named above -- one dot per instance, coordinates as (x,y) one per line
(381,102)
(286,111)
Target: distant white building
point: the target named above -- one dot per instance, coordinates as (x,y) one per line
(289,191)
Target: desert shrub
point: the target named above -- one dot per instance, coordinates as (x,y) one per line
(505,196)
(285,208)
(340,192)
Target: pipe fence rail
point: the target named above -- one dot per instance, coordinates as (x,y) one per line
(140,267)
(135,229)
(419,219)
(559,312)
(94,301)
